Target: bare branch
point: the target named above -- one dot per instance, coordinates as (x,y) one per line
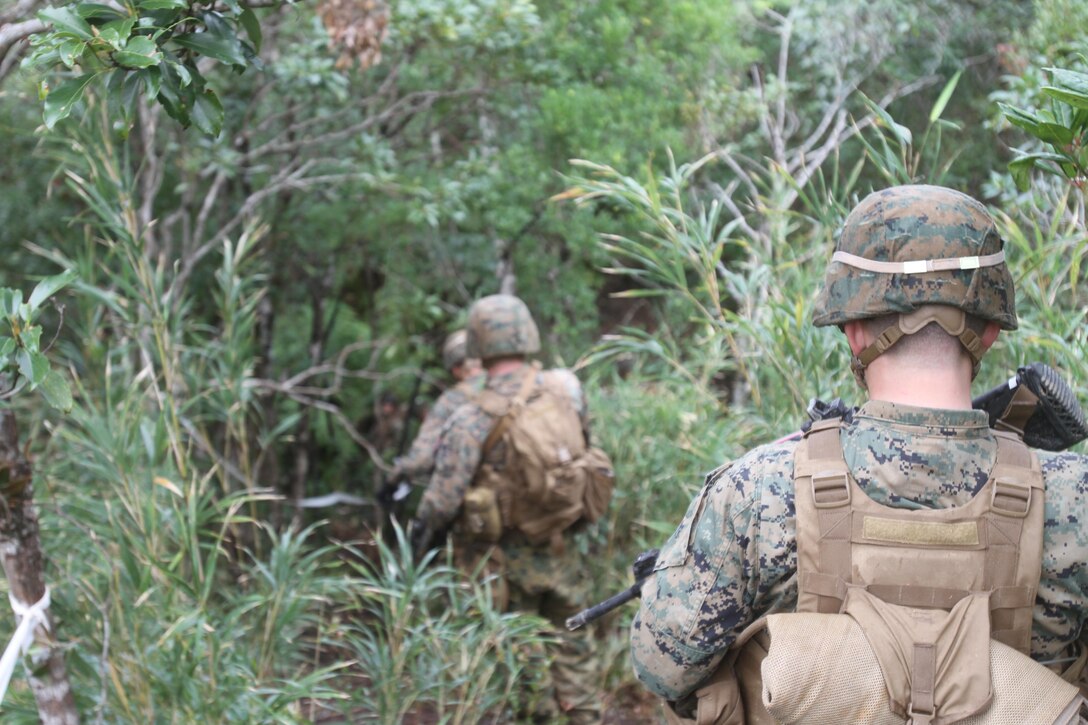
(19,10)
(334,411)
(13,35)
(410,103)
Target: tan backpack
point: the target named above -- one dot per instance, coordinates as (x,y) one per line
(549,479)
(919,617)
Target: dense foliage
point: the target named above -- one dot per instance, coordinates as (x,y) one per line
(244,293)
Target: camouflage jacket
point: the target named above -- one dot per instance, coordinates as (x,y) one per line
(461,446)
(734,556)
(419,460)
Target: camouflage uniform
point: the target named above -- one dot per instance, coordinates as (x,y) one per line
(544,580)
(419,460)
(734,557)
(907,251)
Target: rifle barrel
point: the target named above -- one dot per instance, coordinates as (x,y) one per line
(597,611)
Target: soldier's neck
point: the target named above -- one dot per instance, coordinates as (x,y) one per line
(503,365)
(948,388)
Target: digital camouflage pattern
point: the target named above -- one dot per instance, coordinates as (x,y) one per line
(913,223)
(419,460)
(500,325)
(734,556)
(540,580)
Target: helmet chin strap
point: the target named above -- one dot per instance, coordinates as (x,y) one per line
(951,319)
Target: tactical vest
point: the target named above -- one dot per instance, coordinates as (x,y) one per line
(919,616)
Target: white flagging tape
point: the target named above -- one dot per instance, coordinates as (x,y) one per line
(29,617)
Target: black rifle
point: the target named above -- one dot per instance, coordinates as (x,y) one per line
(642,568)
(1036,404)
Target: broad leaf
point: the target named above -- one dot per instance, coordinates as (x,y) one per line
(70,50)
(10,300)
(33,366)
(59,102)
(56,390)
(139,52)
(248,19)
(1073,98)
(162,4)
(98,11)
(1069,79)
(1019,117)
(116,32)
(152,79)
(207,113)
(66,20)
(50,286)
(216,47)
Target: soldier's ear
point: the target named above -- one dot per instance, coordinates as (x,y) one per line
(989,335)
(856,335)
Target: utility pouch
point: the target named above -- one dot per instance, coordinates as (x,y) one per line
(600,480)
(480,516)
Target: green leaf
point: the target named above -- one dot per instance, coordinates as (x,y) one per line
(946,95)
(66,20)
(162,4)
(31,337)
(207,113)
(70,50)
(1019,117)
(173,97)
(10,301)
(184,76)
(1073,98)
(59,102)
(33,366)
(57,392)
(139,52)
(1021,172)
(50,286)
(248,19)
(7,347)
(1069,79)
(97,11)
(901,133)
(129,97)
(1054,134)
(152,79)
(116,32)
(216,47)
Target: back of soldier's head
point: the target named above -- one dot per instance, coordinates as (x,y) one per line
(912,247)
(501,326)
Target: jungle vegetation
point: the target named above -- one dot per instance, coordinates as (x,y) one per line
(242,230)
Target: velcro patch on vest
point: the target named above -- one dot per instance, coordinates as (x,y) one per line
(920,533)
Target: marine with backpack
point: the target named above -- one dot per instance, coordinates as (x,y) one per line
(517,479)
(905,564)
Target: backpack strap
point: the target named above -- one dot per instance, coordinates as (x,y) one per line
(1014,561)
(510,407)
(822,502)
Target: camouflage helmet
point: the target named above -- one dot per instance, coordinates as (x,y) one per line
(909,246)
(500,325)
(454,349)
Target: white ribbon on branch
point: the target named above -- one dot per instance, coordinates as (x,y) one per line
(29,616)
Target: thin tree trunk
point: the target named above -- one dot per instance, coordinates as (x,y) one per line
(21,555)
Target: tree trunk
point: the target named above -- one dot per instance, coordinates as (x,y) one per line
(21,555)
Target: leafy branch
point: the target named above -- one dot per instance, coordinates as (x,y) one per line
(22,360)
(146,47)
